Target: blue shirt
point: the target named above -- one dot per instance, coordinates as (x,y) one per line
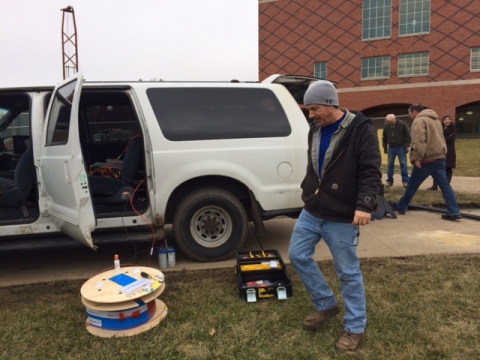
(325,138)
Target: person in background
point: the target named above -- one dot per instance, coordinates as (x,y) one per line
(396,140)
(428,157)
(339,191)
(449,133)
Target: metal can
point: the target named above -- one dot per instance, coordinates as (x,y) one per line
(162,257)
(171,257)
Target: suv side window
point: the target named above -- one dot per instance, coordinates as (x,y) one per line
(110,117)
(218,113)
(59,121)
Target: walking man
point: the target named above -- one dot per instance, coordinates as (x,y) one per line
(428,157)
(396,140)
(339,191)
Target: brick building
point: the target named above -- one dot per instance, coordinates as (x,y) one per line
(383,54)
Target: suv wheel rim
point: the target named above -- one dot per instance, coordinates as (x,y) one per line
(211,226)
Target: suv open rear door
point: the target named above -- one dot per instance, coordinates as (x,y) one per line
(63,173)
(295,84)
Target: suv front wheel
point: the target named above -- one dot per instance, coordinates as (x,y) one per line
(210,224)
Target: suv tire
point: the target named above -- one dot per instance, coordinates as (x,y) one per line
(210,224)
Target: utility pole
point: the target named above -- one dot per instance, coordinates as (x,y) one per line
(69,42)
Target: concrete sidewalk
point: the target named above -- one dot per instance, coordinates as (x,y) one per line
(459,183)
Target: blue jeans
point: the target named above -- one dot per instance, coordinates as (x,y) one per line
(402,158)
(437,170)
(342,240)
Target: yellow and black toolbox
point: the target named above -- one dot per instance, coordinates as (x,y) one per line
(261,274)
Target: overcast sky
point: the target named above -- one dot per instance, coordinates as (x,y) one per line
(130,40)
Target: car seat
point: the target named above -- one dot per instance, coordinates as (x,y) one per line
(111,190)
(14,192)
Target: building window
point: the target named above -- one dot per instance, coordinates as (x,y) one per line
(320,70)
(413,64)
(475,59)
(376,67)
(468,118)
(414,17)
(377,19)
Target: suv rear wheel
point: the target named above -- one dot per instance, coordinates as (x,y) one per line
(210,224)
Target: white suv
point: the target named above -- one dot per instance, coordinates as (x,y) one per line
(206,157)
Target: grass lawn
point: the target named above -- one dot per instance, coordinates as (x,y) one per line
(468,157)
(423,307)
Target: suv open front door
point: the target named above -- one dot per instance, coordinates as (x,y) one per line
(63,173)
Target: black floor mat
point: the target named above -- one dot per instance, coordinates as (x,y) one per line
(14,215)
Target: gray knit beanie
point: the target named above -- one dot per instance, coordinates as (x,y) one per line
(321,92)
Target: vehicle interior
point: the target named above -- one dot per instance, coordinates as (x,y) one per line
(18,193)
(112,145)
(113,151)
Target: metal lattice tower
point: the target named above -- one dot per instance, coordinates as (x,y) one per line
(69,42)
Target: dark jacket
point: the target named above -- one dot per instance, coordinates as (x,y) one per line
(449,133)
(351,178)
(398,135)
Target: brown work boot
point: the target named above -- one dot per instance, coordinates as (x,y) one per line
(349,341)
(317,318)
(388,184)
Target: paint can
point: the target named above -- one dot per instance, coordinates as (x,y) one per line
(171,260)
(162,257)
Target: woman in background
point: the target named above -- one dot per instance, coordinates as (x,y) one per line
(449,132)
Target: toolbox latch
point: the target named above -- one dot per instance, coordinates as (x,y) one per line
(282,293)
(251,295)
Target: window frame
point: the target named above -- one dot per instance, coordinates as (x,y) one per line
(403,13)
(60,115)
(399,75)
(376,28)
(477,69)
(322,71)
(376,77)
